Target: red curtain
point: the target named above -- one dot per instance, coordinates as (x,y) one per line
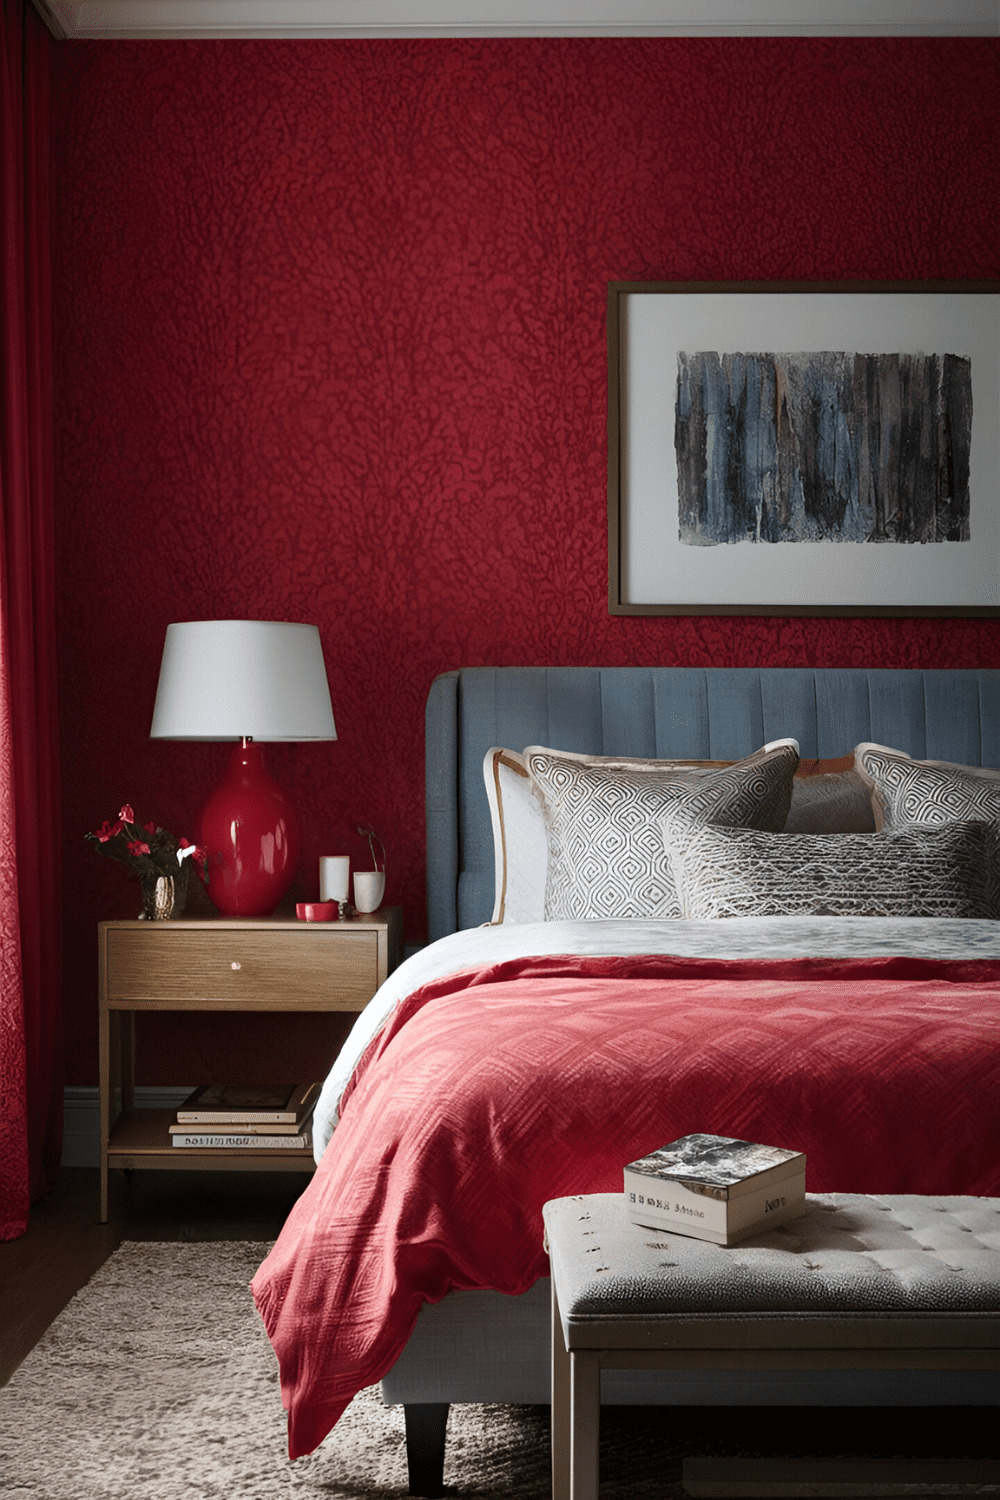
(30,1009)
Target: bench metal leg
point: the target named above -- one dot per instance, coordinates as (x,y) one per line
(585,1424)
(560,1405)
(425,1432)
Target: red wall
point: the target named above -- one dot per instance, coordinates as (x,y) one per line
(331,347)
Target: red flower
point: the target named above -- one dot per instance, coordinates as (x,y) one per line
(126,814)
(136,848)
(107,831)
(150,828)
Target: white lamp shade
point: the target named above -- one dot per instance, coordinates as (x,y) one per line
(230,679)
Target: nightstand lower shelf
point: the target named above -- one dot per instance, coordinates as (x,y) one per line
(141,1138)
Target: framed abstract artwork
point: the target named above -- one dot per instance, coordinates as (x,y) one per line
(810,448)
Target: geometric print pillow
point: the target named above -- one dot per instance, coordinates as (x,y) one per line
(606,856)
(520,844)
(925,791)
(914,871)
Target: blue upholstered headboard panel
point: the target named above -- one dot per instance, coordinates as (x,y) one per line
(715,713)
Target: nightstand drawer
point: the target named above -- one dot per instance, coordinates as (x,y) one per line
(268,968)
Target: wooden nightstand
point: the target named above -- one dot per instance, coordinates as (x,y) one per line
(260,963)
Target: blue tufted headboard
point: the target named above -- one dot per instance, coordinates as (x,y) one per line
(714,713)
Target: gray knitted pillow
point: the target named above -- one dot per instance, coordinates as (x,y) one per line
(605,850)
(951,871)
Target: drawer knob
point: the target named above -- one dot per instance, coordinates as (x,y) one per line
(236,966)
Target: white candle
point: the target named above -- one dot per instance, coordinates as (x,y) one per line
(334,877)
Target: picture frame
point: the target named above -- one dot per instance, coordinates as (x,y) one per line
(804,448)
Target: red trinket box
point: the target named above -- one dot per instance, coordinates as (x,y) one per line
(316,911)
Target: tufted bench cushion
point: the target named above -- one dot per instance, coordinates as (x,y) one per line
(849,1252)
(858,1281)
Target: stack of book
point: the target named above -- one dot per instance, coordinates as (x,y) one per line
(713,1187)
(220,1116)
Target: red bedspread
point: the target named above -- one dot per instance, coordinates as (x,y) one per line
(488,1093)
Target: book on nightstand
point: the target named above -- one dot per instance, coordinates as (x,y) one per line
(249,1104)
(224,1130)
(712,1187)
(202,1140)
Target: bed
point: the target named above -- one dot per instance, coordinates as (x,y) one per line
(414,1256)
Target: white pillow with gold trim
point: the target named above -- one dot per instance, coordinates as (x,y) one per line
(520,849)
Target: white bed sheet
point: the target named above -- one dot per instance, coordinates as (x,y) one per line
(742,937)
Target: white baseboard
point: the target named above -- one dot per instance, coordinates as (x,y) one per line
(82,1118)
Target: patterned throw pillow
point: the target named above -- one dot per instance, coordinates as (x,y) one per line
(951,871)
(925,791)
(605,847)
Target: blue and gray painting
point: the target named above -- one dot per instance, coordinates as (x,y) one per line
(823,447)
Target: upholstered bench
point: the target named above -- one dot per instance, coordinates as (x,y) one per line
(858,1282)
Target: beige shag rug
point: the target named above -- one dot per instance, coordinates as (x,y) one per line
(157,1382)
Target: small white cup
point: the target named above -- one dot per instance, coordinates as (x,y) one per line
(334,877)
(369,888)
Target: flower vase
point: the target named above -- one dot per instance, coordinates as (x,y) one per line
(163,896)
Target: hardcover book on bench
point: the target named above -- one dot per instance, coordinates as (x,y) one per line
(712,1187)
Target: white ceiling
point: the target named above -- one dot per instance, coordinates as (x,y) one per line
(109,19)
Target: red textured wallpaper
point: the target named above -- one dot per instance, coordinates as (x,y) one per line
(330,346)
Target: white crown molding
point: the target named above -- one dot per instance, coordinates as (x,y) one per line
(206,19)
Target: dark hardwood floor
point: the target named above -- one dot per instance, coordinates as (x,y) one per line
(65,1244)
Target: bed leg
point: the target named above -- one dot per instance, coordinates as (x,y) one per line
(425,1429)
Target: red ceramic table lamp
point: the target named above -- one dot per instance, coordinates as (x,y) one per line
(250,681)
